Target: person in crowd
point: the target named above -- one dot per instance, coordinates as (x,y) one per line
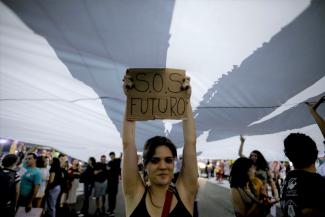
(208,168)
(263,171)
(87,177)
(100,173)
(226,172)
(247,202)
(287,167)
(65,183)
(213,168)
(114,172)
(159,154)
(303,191)
(10,183)
(41,164)
(20,169)
(73,175)
(30,182)
(220,171)
(21,152)
(53,188)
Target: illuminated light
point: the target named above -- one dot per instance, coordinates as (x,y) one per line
(4,141)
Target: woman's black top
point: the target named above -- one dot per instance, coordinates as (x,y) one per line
(179,210)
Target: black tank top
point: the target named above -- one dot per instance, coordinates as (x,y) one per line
(179,210)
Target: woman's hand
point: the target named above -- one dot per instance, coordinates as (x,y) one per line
(127,83)
(186,86)
(242,139)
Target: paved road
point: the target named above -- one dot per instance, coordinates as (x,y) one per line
(214,200)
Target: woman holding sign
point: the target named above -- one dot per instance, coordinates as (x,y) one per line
(160,197)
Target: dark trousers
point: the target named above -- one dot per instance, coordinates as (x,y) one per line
(87,192)
(112,189)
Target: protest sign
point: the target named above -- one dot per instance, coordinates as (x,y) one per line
(156,94)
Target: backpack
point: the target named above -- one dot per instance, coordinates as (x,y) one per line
(8,188)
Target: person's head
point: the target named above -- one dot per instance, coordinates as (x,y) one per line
(91,161)
(112,155)
(259,160)
(301,150)
(243,170)
(63,160)
(159,154)
(75,163)
(41,162)
(31,159)
(55,165)
(103,159)
(10,161)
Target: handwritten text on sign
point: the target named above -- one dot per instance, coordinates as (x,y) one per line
(156,94)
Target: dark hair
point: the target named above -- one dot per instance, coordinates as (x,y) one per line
(93,161)
(261,163)
(239,172)
(300,149)
(55,166)
(33,154)
(9,160)
(40,162)
(62,155)
(153,143)
(112,153)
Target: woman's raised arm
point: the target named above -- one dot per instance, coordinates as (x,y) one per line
(189,171)
(130,176)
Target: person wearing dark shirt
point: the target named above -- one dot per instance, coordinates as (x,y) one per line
(10,183)
(65,184)
(100,185)
(114,172)
(303,190)
(53,188)
(87,178)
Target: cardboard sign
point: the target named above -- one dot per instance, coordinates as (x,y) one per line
(34,212)
(156,94)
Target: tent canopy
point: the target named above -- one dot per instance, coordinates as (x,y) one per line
(62,64)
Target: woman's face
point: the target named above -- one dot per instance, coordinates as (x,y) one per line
(161,167)
(251,172)
(253,156)
(75,162)
(90,162)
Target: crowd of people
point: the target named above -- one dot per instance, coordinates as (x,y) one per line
(31,180)
(303,189)
(152,188)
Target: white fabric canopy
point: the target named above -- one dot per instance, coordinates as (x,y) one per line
(252,65)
